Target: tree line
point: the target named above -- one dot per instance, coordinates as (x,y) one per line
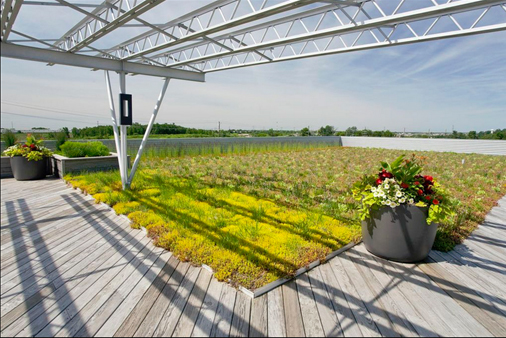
(497,134)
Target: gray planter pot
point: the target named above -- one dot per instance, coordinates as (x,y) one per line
(400,234)
(24,170)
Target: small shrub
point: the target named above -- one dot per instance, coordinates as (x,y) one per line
(88,149)
(61,138)
(9,138)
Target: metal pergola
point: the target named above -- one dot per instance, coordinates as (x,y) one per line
(227,34)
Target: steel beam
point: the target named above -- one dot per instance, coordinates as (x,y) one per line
(114,120)
(142,45)
(148,131)
(10,10)
(353,26)
(93,62)
(103,21)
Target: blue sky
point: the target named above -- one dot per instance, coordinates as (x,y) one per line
(453,83)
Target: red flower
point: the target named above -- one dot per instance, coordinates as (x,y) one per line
(417,183)
(435,202)
(379,181)
(404,185)
(428,198)
(420,192)
(428,178)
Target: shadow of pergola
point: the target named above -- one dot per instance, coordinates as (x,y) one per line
(46,280)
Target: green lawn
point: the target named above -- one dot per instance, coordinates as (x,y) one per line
(257,217)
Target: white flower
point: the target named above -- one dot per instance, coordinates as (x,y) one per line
(373,189)
(411,201)
(398,194)
(387,186)
(402,200)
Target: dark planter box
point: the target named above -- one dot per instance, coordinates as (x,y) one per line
(6,171)
(24,170)
(400,234)
(64,165)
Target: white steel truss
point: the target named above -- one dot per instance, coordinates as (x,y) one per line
(226,34)
(336,29)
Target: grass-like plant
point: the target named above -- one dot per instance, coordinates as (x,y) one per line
(84,149)
(32,149)
(9,138)
(256,217)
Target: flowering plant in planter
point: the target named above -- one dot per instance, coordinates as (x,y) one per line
(399,183)
(32,149)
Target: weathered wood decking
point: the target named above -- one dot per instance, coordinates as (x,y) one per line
(70,267)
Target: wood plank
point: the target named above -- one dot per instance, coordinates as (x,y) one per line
(93,298)
(311,318)
(66,294)
(446,309)
(293,315)
(469,283)
(402,274)
(208,310)
(259,315)
(39,247)
(400,324)
(187,322)
(479,267)
(360,313)
(242,313)
(136,317)
(48,262)
(224,313)
(171,317)
(327,315)
(31,224)
(373,304)
(474,305)
(276,313)
(61,285)
(100,326)
(79,255)
(157,311)
(479,270)
(393,286)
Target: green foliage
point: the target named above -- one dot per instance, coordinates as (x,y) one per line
(326,131)
(9,138)
(32,149)
(61,137)
(84,149)
(399,183)
(305,132)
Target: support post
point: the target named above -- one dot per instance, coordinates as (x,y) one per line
(148,130)
(114,122)
(123,145)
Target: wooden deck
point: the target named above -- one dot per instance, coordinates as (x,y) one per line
(70,267)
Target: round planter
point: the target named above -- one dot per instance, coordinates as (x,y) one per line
(24,170)
(400,234)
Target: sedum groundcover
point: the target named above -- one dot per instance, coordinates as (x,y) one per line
(254,218)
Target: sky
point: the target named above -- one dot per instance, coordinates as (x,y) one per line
(452,84)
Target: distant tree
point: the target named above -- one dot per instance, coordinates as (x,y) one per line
(305,132)
(351,131)
(326,131)
(472,135)
(388,133)
(75,132)
(66,131)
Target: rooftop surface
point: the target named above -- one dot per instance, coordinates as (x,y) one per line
(70,267)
